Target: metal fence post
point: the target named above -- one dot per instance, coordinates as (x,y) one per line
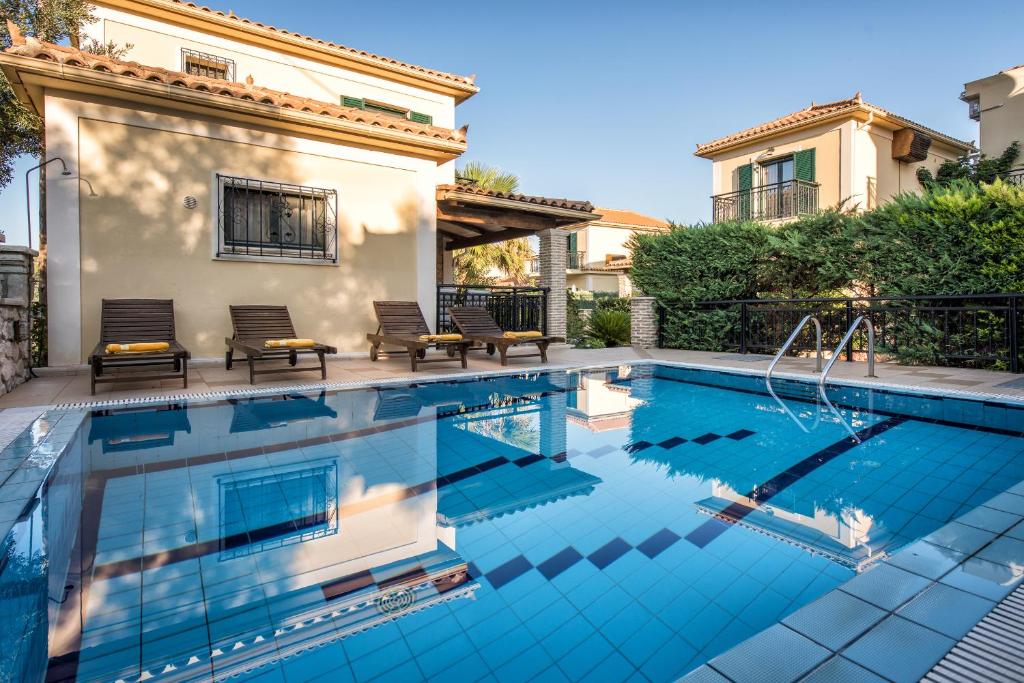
(1014,336)
(849,321)
(743,327)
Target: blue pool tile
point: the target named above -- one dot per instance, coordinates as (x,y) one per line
(582,660)
(569,638)
(927,560)
(899,650)
(608,553)
(705,439)
(642,645)
(638,446)
(614,667)
(509,571)
(740,434)
(960,537)
(835,619)
(1006,550)
(559,562)
(983,578)
(658,543)
(841,670)
(521,669)
(886,586)
(948,610)
(776,654)
(670,660)
(704,674)
(989,519)
(672,442)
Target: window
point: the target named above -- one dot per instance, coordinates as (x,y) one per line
(389,109)
(777,171)
(276,220)
(278,509)
(210,66)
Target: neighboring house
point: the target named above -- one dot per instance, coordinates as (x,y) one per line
(597,258)
(231,162)
(847,153)
(997,103)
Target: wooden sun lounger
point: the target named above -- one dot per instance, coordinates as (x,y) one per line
(254,325)
(477,325)
(126,321)
(400,323)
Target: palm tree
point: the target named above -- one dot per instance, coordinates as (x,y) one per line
(474,265)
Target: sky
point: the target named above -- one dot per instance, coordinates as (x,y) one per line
(605,101)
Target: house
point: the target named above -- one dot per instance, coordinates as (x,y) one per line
(996,102)
(223,161)
(597,256)
(847,153)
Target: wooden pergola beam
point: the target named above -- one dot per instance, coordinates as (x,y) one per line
(507,234)
(495,221)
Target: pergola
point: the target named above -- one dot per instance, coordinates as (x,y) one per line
(469,216)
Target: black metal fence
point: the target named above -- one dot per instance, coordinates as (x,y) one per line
(515,309)
(1016,177)
(978,330)
(766,202)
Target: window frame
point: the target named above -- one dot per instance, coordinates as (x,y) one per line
(226,249)
(212,59)
(778,161)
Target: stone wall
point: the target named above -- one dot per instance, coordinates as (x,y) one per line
(643,322)
(15,266)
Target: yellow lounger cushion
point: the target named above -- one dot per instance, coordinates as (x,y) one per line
(440,337)
(138,347)
(288,343)
(530,334)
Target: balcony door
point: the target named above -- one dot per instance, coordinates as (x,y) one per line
(776,195)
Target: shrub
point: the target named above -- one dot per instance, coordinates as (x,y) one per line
(575,326)
(610,327)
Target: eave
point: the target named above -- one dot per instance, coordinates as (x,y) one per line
(232,28)
(31,77)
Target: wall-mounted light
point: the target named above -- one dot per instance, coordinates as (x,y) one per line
(190,202)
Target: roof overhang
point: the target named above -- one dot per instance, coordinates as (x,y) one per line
(858,112)
(31,77)
(467,218)
(232,27)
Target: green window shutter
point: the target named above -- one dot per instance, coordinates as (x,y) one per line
(572,242)
(356,102)
(745,177)
(803,165)
(417,117)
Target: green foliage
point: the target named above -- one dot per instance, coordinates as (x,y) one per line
(959,238)
(575,326)
(612,302)
(488,177)
(980,169)
(611,327)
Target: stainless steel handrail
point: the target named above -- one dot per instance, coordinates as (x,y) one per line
(846,340)
(789,342)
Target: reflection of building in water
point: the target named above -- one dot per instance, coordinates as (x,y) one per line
(850,537)
(600,404)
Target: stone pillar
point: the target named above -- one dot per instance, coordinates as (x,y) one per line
(553,423)
(553,252)
(15,268)
(625,286)
(643,322)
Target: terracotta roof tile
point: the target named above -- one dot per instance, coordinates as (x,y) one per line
(624,217)
(571,204)
(815,112)
(194,8)
(35,49)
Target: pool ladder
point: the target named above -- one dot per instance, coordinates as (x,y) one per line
(828,366)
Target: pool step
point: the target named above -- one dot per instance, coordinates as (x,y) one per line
(991,651)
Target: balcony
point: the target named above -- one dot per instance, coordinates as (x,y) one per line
(777,201)
(1014,177)
(574,260)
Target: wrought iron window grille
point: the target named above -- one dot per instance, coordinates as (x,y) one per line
(211,66)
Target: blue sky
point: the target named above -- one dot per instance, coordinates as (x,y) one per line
(606,100)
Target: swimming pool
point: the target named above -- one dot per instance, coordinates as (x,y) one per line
(594,525)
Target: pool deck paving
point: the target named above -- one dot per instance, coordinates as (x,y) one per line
(894,622)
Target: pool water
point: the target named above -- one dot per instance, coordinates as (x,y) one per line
(621,524)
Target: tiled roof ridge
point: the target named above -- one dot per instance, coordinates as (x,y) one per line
(442,75)
(648,221)
(572,204)
(68,56)
(811,113)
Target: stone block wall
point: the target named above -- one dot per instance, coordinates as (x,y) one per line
(643,320)
(15,267)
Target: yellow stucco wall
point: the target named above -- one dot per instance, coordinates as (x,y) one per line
(824,139)
(1001,97)
(886,177)
(138,240)
(599,241)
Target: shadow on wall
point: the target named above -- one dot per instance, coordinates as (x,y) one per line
(139,238)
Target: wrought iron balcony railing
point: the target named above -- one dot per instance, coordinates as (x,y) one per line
(574,260)
(766,202)
(1015,177)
